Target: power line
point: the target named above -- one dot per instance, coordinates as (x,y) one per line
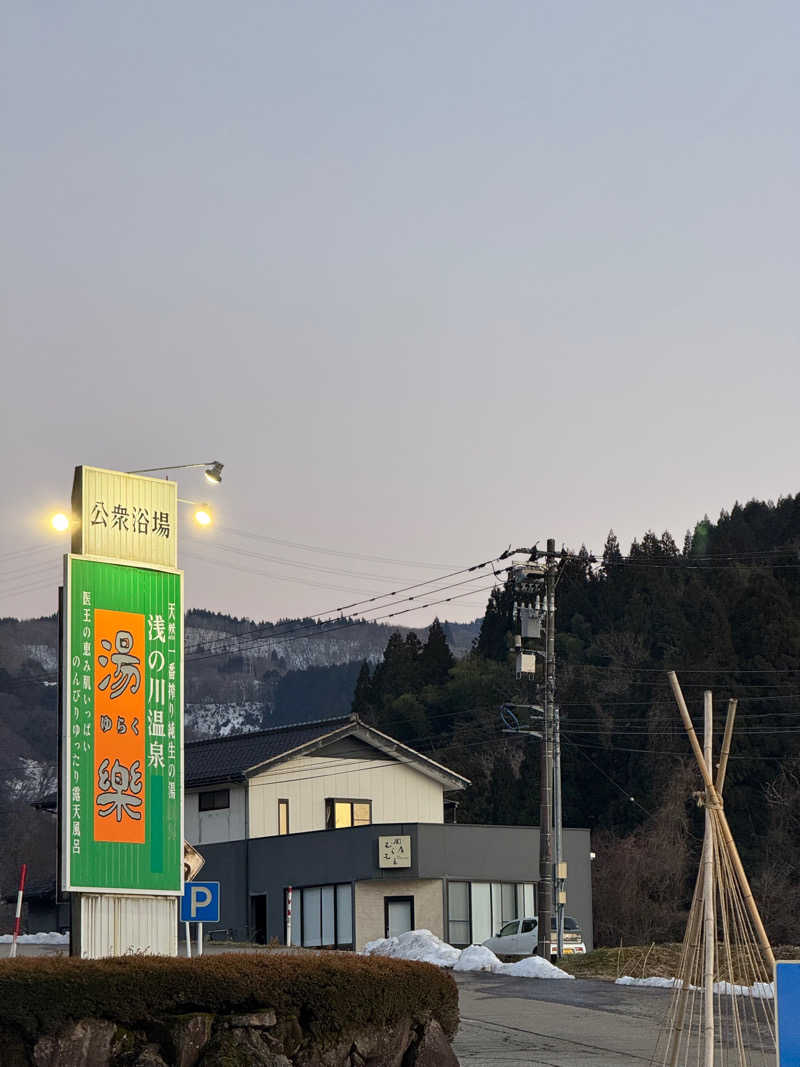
(679,755)
(260,632)
(257,632)
(332,551)
(26,551)
(625,792)
(295,635)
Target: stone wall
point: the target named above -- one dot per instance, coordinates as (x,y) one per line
(256,1039)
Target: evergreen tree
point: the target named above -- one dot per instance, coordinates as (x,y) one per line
(436,659)
(363,700)
(611,550)
(497,625)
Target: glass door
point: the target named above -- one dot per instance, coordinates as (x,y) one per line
(399,915)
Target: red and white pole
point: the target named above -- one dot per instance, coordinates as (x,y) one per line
(289,916)
(24,871)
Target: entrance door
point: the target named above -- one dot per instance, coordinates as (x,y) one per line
(258,918)
(399,915)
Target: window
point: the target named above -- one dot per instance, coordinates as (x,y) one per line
(528,925)
(343,813)
(215,799)
(322,916)
(488,907)
(509,929)
(344,915)
(458,913)
(283,816)
(312,917)
(508,897)
(481,902)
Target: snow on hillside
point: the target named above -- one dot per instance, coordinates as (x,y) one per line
(34,779)
(295,654)
(45,655)
(220,720)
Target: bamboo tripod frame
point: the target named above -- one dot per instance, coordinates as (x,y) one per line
(721,865)
(715,805)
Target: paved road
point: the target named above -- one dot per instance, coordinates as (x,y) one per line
(555,1023)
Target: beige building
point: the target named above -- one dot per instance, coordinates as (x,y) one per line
(347,826)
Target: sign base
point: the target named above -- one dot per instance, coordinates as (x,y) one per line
(109,924)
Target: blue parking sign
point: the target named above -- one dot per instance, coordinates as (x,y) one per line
(787,1011)
(200,902)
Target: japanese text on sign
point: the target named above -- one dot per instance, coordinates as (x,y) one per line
(134,519)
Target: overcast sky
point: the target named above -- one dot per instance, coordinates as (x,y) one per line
(429,278)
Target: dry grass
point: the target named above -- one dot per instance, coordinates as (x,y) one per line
(648,961)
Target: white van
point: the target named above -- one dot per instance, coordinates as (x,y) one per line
(519,937)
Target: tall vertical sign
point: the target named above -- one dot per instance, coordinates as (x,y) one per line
(122,746)
(122,715)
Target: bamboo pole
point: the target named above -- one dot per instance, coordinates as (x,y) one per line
(691,947)
(692,931)
(730,844)
(709,932)
(726,744)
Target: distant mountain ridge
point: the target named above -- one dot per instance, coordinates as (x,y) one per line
(302,643)
(239,675)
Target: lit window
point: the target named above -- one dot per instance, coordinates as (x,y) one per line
(283,816)
(340,814)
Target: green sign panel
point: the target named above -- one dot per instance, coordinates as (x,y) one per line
(122,773)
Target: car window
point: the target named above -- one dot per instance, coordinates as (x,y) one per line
(528,925)
(508,929)
(569,923)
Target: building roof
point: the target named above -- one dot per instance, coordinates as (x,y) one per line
(237,757)
(227,758)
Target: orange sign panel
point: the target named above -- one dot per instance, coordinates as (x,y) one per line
(120,667)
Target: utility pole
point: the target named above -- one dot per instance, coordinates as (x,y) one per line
(530,580)
(560,866)
(545,905)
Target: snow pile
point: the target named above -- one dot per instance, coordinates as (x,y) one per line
(761,990)
(477,958)
(534,967)
(426,947)
(415,945)
(660,983)
(36,939)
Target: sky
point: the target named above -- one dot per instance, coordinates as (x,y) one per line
(430,279)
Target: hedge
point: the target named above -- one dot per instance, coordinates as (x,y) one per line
(324,992)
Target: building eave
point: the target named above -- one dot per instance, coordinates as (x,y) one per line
(380,741)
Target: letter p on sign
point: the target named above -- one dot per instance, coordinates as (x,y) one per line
(200,902)
(199,898)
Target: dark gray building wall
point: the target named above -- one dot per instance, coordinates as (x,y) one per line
(507,854)
(267,865)
(226,863)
